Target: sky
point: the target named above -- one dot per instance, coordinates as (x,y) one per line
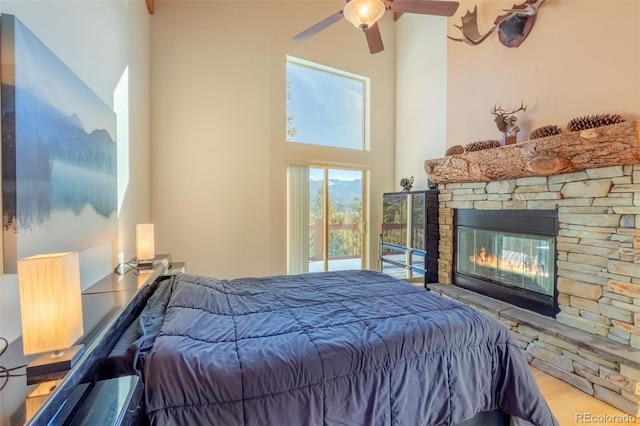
(327,109)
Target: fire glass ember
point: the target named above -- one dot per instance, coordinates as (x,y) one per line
(516,262)
(514,259)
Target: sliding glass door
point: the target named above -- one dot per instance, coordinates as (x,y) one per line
(326,225)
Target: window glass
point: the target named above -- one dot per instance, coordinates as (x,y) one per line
(325,106)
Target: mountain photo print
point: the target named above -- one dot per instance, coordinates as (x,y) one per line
(59,171)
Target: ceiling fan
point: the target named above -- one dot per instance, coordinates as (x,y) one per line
(364,14)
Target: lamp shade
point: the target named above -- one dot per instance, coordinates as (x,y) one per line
(363,13)
(50,302)
(145,243)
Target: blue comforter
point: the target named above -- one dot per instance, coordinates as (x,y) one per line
(338,348)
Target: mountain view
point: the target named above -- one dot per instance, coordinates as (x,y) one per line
(343,193)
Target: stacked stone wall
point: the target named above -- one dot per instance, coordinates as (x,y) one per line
(598,244)
(598,268)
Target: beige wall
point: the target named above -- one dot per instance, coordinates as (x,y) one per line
(421,95)
(106,43)
(581,57)
(219,169)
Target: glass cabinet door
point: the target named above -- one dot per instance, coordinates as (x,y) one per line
(402,248)
(417,221)
(394,222)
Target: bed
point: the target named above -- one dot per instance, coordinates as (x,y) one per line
(334,348)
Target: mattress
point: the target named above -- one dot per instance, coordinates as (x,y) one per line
(334,348)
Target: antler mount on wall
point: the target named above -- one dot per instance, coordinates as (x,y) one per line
(513,27)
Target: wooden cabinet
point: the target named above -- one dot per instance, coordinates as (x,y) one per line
(409,237)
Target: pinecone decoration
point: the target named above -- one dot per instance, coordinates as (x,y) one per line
(592,121)
(456,149)
(480,145)
(544,131)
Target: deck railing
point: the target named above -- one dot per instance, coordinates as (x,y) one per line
(316,230)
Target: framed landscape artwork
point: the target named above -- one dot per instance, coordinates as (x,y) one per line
(59,177)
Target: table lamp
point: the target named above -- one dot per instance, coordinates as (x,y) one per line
(51,311)
(145,245)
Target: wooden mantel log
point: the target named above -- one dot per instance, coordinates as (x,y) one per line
(614,145)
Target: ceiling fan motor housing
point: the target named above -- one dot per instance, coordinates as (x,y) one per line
(363,13)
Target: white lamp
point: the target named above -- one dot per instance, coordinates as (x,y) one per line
(51,311)
(145,245)
(363,13)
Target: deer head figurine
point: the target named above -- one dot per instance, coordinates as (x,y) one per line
(406,183)
(505,120)
(512,27)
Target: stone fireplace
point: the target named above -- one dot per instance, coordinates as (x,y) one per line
(591,336)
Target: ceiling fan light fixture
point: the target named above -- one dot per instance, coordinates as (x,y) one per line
(363,13)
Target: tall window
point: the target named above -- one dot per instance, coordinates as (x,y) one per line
(326,106)
(326,225)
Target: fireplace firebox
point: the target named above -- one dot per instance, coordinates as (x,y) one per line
(508,255)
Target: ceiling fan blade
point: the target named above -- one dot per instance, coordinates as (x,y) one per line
(314,29)
(374,39)
(426,7)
